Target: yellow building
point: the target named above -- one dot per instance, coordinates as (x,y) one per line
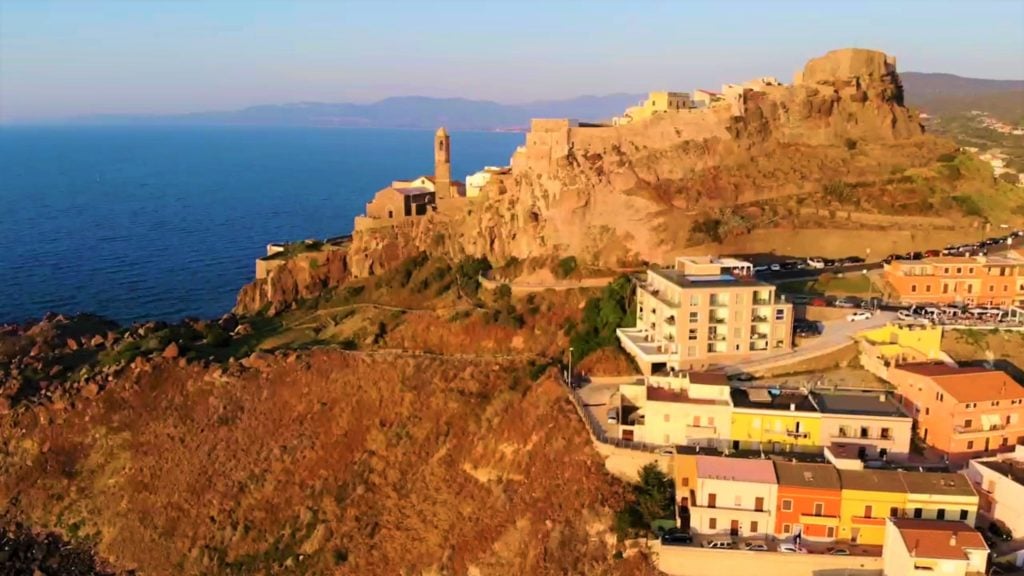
(898,343)
(656,103)
(786,422)
(869,497)
(935,496)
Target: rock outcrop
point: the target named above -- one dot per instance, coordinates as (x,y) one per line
(620,194)
(301,277)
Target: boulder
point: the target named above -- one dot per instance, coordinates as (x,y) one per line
(96,341)
(90,390)
(228,322)
(72,344)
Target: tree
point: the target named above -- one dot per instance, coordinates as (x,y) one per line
(654,494)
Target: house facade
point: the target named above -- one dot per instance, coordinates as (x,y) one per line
(734,497)
(868,498)
(999,482)
(926,547)
(874,422)
(981,280)
(939,496)
(965,412)
(685,409)
(809,501)
(705,312)
(771,423)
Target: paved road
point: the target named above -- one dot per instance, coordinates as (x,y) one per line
(836,334)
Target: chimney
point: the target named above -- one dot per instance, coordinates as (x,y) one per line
(952,539)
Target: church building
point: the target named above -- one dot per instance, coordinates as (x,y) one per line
(418,197)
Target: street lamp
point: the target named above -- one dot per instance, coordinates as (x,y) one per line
(871,304)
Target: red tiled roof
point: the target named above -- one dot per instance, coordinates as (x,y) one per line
(938,539)
(716,378)
(969,384)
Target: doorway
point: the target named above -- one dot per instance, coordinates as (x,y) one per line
(734,528)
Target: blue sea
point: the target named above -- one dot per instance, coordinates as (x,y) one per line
(164,222)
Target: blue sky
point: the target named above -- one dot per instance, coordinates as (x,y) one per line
(74,57)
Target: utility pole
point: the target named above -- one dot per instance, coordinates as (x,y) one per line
(570,368)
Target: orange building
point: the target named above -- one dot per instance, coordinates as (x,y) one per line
(964,412)
(989,280)
(809,498)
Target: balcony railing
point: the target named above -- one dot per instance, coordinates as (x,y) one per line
(797,434)
(762,301)
(717,337)
(759,319)
(716,303)
(758,336)
(979,429)
(719,320)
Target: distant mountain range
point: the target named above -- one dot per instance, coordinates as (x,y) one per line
(939,94)
(418,112)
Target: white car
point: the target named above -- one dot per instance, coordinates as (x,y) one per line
(905,315)
(759,269)
(860,315)
(775,267)
(816,263)
(838,552)
(791,549)
(755,546)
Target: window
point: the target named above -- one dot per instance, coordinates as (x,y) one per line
(712,500)
(711,420)
(753,526)
(694,300)
(970,444)
(830,532)
(712,523)
(894,512)
(759,504)
(927,410)
(691,334)
(787,505)
(1005,441)
(940,514)
(694,316)
(917,512)
(959,270)
(913,287)
(844,432)
(863,431)
(786,529)
(691,350)
(945,270)
(970,288)
(667,417)
(886,434)
(819,509)
(963,515)
(685,481)
(738,502)
(867,511)
(696,420)
(737,332)
(968,422)
(780,313)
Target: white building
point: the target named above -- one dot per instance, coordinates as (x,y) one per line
(920,547)
(475,182)
(683,409)
(734,497)
(1000,484)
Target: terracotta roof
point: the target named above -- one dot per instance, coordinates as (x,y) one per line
(938,539)
(823,476)
(656,394)
(970,384)
(942,483)
(735,469)
(717,378)
(872,480)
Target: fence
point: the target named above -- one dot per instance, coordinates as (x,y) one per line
(597,432)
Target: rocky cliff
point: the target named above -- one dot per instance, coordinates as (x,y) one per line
(617,194)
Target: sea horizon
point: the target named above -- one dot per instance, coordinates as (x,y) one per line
(163,222)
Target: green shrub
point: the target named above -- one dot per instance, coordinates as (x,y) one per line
(504,293)
(467,275)
(839,191)
(947,157)
(968,205)
(601,316)
(565,267)
(217,337)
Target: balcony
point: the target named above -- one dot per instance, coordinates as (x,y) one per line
(642,345)
(758,336)
(958,429)
(716,337)
(762,301)
(671,321)
(819,520)
(660,296)
(719,319)
(797,433)
(760,319)
(718,302)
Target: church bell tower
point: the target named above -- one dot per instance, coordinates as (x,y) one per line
(442,164)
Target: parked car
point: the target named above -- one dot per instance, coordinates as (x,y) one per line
(932,253)
(905,315)
(829,263)
(676,537)
(761,268)
(792,549)
(798,299)
(755,546)
(859,315)
(837,551)
(999,532)
(852,260)
(719,544)
(816,263)
(666,451)
(819,301)
(775,267)
(845,302)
